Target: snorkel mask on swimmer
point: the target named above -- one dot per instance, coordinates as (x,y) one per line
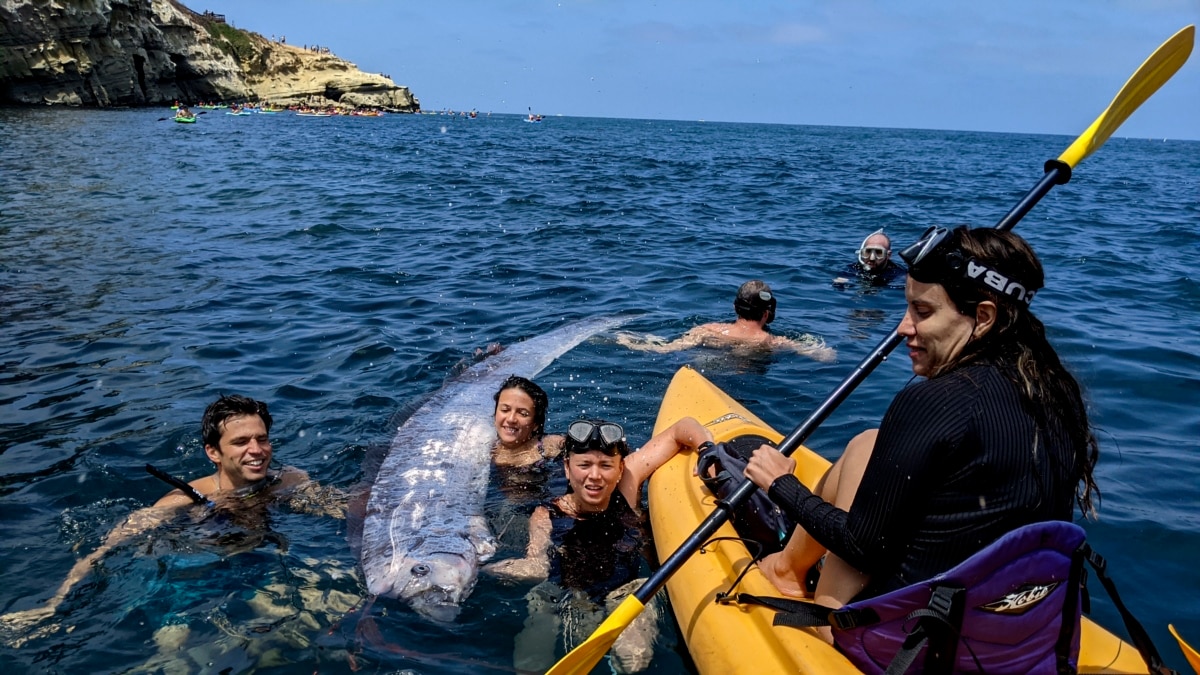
(586,435)
(871,257)
(936,259)
(760,303)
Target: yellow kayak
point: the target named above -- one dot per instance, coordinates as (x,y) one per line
(726,639)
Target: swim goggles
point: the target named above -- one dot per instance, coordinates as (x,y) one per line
(594,434)
(933,259)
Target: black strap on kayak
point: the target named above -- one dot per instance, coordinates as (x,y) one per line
(723,597)
(1139,636)
(178,484)
(935,627)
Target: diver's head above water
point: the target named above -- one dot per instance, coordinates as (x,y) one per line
(236,437)
(755,301)
(875,251)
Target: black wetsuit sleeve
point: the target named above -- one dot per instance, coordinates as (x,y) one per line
(923,421)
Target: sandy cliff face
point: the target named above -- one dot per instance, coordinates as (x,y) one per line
(283,73)
(150,52)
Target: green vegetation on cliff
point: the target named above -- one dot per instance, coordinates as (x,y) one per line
(236,43)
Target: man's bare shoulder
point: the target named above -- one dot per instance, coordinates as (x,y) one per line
(711,330)
(172,500)
(807,345)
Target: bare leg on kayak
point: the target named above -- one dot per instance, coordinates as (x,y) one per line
(839,582)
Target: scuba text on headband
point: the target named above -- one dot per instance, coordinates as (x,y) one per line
(933,259)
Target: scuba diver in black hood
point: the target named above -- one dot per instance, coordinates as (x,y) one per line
(874,266)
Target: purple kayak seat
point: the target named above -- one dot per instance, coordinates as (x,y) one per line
(1010,601)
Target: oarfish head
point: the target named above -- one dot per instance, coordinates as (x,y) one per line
(432,585)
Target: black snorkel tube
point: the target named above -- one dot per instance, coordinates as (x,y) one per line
(178,484)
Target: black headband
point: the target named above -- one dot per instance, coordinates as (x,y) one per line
(934,259)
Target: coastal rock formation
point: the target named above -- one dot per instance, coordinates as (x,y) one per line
(152,52)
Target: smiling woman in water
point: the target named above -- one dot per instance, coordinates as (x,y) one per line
(523,451)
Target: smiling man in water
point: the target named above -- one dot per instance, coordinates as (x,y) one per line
(235,432)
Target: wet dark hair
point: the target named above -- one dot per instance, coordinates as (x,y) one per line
(594,442)
(754,299)
(541,401)
(225,407)
(1017,342)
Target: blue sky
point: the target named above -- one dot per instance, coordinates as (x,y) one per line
(1014,66)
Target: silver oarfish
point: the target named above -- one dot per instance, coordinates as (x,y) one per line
(423,532)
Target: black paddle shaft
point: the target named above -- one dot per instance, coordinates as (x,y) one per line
(176,483)
(1057,173)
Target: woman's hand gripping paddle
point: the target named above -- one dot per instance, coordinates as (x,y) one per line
(1146,80)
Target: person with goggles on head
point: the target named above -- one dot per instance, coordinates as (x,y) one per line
(755,308)
(588,544)
(993,438)
(874,266)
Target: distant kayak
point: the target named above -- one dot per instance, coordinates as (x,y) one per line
(240,112)
(185,120)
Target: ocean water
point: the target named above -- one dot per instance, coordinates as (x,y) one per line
(342,268)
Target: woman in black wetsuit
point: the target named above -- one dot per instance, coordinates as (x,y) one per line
(995,438)
(587,544)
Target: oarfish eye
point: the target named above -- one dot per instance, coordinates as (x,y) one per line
(420,570)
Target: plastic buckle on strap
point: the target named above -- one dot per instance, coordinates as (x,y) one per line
(848,618)
(942,600)
(843,619)
(1096,560)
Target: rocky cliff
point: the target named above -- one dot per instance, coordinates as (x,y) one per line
(151,52)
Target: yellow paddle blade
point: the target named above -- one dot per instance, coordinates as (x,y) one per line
(1146,80)
(1189,651)
(583,658)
